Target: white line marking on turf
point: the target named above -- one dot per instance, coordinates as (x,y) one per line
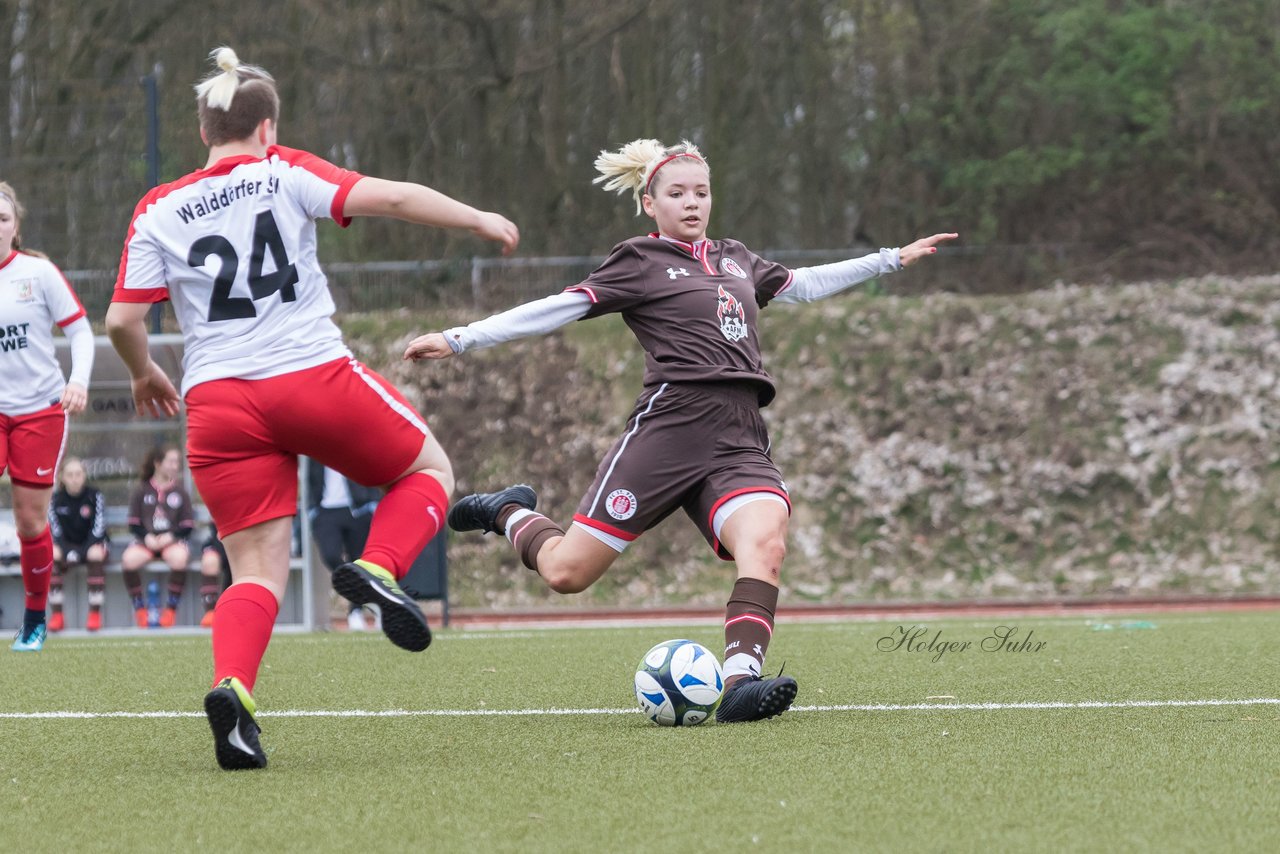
(1082,704)
(486,713)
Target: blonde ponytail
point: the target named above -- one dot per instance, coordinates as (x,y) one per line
(633,166)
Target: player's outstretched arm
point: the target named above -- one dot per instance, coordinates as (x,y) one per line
(433,345)
(425,206)
(153,394)
(814,283)
(923,247)
(533,318)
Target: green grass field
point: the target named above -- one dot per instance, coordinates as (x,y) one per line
(858,765)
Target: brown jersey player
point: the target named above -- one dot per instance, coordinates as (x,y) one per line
(696,440)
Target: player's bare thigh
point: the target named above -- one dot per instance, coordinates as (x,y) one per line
(572,563)
(259,554)
(756,535)
(95,552)
(31,509)
(433,461)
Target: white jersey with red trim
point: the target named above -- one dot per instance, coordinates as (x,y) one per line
(33,297)
(234,247)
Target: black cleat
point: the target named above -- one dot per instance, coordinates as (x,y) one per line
(402,619)
(235,732)
(479,512)
(755,699)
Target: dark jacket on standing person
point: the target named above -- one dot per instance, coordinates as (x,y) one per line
(360,495)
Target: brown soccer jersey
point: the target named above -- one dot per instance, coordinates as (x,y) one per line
(696,438)
(693,307)
(156,511)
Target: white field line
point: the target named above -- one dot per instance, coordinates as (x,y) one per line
(525,630)
(555,712)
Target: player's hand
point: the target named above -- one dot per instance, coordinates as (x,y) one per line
(433,345)
(74,397)
(154,395)
(923,247)
(499,229)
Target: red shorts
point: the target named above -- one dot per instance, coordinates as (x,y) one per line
(244,437)
(31,446)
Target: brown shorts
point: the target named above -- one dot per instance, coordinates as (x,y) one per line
(687,445)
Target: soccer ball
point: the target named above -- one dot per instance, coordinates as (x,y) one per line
(678,683)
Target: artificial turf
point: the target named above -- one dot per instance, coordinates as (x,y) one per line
(441,773)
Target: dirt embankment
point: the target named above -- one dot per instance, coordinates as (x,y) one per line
(1071,442)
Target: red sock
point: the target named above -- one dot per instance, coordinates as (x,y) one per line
(242,624)
(409,515)
(36,559)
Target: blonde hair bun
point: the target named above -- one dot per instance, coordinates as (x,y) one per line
(631,167)
(219,90)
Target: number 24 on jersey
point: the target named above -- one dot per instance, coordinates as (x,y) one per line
(266,239)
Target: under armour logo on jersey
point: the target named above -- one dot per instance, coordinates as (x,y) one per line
(758,650)
(673,272)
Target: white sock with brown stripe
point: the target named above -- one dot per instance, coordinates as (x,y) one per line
(748,626)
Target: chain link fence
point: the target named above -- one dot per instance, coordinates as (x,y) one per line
(491,284)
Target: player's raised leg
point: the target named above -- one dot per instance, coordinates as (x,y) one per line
(410,514)
(569,562)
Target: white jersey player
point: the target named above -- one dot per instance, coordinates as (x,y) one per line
(234,247)
(35,400)
(267,377)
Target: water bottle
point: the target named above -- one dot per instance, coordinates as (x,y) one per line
(153,603)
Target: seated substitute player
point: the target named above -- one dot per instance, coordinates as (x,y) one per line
(267,376)
(78,520)
(695,440)
(161,520)
(215,574)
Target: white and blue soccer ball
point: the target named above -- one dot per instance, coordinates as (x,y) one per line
(678,683)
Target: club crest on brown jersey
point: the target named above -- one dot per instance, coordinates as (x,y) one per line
(731,267)
(733,319)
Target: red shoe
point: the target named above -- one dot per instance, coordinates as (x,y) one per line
(168,617)
(94,622)
(206,622)
(140,618)
(56,622)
